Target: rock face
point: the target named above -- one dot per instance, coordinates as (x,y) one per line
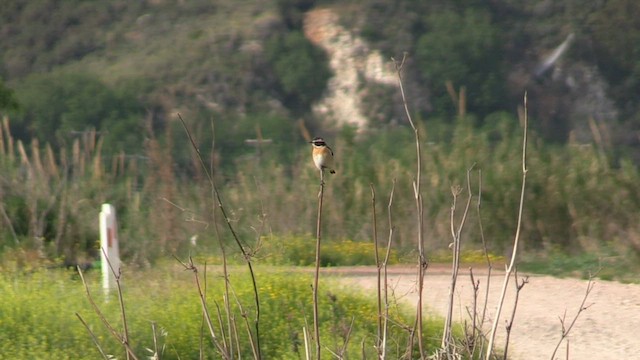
(565,103)
(353,64)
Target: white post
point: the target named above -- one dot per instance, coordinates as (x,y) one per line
(109,246)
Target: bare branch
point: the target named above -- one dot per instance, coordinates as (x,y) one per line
(519,286)
(567,329)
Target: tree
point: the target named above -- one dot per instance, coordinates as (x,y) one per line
(58,105)
(300,68)
(464,48)
(7,98)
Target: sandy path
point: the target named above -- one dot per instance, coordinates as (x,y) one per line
(606,330)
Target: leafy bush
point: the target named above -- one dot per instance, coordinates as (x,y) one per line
(300,251)
(616,45)
(58,107)
(301,69)
(7,98)
(465,49)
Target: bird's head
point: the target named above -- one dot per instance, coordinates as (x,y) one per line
(318,141)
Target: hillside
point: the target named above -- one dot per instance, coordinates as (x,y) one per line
(101,83)
(241,57)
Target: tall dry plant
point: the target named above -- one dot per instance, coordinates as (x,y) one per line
(382,284)
(417,192)
(447,343)
(254,335)
(52,189)
(316,279)
(121,337)
(516,241)
(160,183)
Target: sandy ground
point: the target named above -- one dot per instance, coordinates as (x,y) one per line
(606,330)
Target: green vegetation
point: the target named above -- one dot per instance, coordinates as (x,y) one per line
(58,107)
(301,69)
(465,50)
(575,198)
(37,314)
(7,98)
(613,267)
(298,251)
(125,69)
(90,94)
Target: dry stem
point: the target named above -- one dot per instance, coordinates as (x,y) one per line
(121,338)
(245,254)
(422,261)
(519,286)
(456,234)
(516,240)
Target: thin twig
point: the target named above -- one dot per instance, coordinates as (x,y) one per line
(316,316)
(567,329)
(244,316)
(227,339)
(472,338)
(519,286)
(93,337)
(203,302)
(478,336)
(125,335)
(104,320)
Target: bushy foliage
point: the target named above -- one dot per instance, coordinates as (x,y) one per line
(301,69)
(465,49)
(112,66)
(59,107)
(616,43)
(300,251)
(7,98)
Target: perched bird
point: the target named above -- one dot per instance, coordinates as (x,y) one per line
(322,155)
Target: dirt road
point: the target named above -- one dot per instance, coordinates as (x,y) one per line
(606,330)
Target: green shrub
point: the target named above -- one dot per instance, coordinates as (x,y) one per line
(59,107)
(301,251)
(301,69)
(7,98)
(466,49)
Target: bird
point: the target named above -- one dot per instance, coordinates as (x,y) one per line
(322,155)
